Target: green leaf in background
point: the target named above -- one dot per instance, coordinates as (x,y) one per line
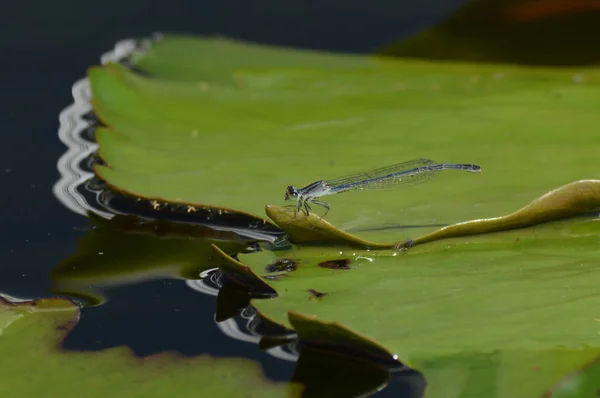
(535,32)
(520,307)
(239,145)
(33,363)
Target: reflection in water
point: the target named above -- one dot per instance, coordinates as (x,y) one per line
(237,319)
(129,249)
(324,373)
(76,132)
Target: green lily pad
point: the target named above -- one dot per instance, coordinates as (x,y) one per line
(217,59)
(475,374)
(334,335)
(238,145)
(34,365)
(521,303)
(232,266)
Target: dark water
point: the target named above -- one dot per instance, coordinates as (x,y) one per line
(46,47)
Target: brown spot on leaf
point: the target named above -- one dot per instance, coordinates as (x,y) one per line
(316,294)
(343,263)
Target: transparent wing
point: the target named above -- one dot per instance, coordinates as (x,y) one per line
(406,173)
(376,179)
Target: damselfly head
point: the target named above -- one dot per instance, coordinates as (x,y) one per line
(290,192)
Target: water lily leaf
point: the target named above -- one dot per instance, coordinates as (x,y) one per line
(30,345)
(239,145)
(217,59)
(519,373)
(538,32)
(520,306)
(127,155)
(234,267)
(333,335)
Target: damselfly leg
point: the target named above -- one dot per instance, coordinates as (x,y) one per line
(324,204)
(307,208)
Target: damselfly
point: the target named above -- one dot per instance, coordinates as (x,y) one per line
(411,172)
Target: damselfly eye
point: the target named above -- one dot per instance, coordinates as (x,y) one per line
(290,192)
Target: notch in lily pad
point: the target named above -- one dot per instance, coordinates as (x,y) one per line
(336,338)
(241,273)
